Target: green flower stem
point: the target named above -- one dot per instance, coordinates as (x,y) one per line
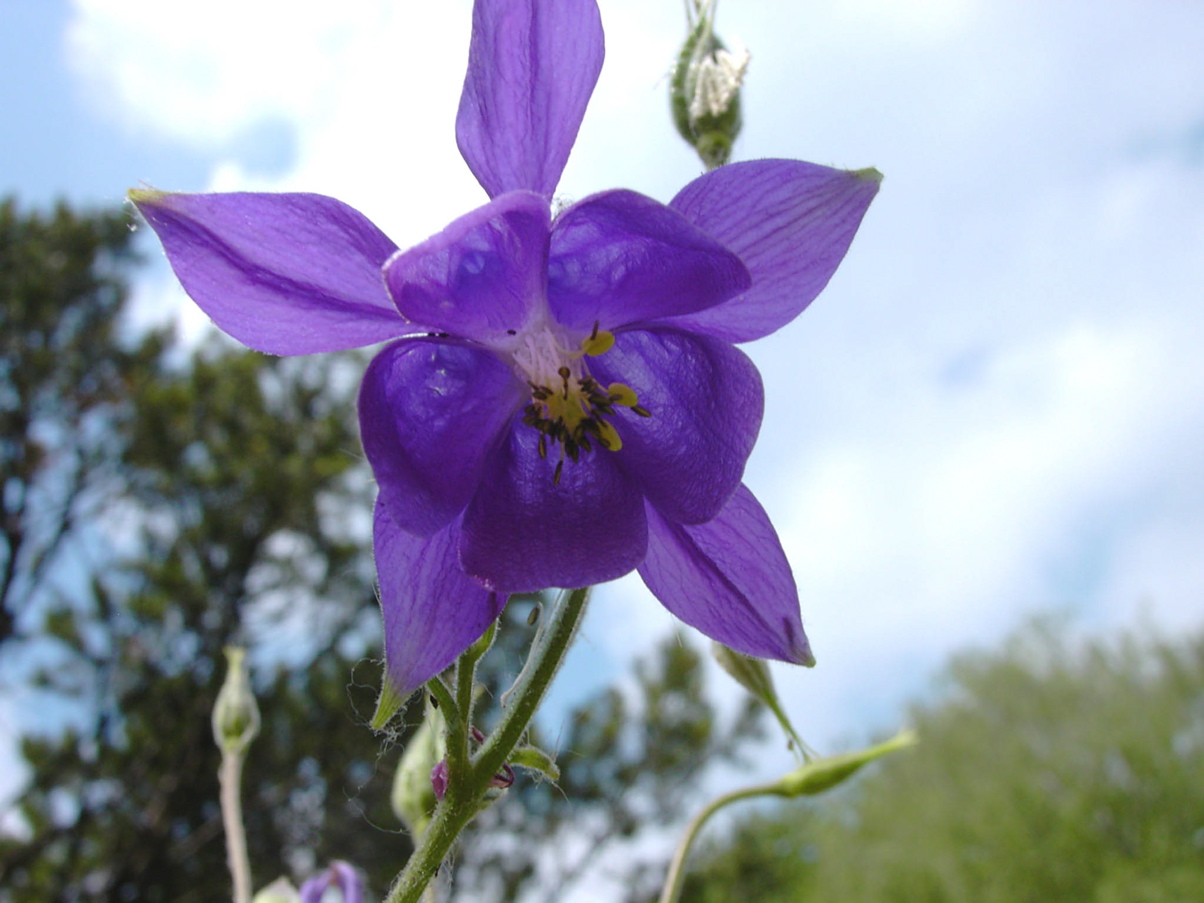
(816,776)
(230,778)
(677,868)
(466,790)
(443,699)
(547,655)
(455,723)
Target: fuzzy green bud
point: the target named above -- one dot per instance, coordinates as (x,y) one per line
(413,795)
(704,92)
(823,774)
(235,714)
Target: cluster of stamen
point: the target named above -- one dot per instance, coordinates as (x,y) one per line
(574,411)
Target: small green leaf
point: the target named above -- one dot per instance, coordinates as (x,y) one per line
(753,674)
(535,759)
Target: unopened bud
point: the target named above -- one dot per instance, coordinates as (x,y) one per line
(439,779)
(279,891)
(235,714)
(705,91)
(413,796)
(823,774)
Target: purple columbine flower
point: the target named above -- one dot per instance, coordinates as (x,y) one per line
(561,400)
(341,875)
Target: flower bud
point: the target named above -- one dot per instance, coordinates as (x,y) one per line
(413,797)
(705,91)
(823,774)
(279,891)
(439,779)
(235,714)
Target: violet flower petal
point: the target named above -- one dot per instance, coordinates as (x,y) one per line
(432,610)
(523,532)
(790,222)
(282,273)
(481,277)
(619,258)
(532,65)
(705,399)
(430,413)
(730,579)
(341,875)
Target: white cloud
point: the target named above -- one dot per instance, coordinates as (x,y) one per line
(200,72)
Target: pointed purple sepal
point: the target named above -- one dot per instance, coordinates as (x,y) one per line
(532,65)
(790,222)
(432,610)
(730,579)
(282,273)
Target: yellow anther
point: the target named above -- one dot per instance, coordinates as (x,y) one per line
(621,394)
(598,342)
(608,436)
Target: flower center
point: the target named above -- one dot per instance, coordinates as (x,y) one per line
(568,407)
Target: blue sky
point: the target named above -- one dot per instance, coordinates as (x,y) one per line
(996,408)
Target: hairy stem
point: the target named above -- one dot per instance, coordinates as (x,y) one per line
(466,791)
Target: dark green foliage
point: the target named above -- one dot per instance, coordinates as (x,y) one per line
(1049,770)
(62,384)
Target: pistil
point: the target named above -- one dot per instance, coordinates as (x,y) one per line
(568,407)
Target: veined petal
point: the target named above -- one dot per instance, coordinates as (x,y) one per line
(282,273)
(432,610)
(730,579)
(430,414)
(524,532)
(790,222)
(619,258)
(532,65)
(705,400)
(482,276)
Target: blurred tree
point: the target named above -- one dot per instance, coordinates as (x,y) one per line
(62,384)
(1052,769)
